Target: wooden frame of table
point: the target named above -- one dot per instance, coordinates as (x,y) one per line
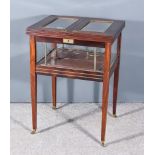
(73,34)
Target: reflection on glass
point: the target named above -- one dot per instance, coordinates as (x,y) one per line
(61,23)
(97,26)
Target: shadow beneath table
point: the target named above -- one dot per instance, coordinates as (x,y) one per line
(69,120)
(131,112)
(73,121)
(124,114)
(59,106)
(20,123)
(126,138)
(127,113)
(80,128)
(86,132)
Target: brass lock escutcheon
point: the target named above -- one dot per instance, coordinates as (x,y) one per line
(68,41)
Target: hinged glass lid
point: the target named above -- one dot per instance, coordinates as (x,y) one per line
(97,26)
(61,23)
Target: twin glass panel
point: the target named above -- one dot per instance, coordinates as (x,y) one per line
(94,26)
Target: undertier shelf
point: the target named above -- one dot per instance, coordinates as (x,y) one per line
(73,62)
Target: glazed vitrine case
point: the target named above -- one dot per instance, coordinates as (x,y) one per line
(79,48)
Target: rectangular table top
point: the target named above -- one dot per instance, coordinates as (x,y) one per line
(78,28)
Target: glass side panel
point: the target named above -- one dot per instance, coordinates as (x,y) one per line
(72,57)
(61,23)
(97,26)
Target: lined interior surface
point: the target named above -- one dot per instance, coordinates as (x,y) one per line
(61,23)
(75,59)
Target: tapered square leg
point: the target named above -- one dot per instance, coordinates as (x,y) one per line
(54,45)
(115,89)
(106,79)
(34,102)
(54,82)
(33,79)
(116,76)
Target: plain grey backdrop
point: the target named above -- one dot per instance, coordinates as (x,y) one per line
(131,84)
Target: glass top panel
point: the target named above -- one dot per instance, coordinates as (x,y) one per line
(61,23)
(97,26)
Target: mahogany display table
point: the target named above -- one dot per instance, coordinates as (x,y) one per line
(81,48)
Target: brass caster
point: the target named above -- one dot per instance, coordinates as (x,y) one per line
(114,115)
(54,107)
(33,131)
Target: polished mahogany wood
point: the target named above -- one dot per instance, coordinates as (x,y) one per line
(54,82)
(76,42)
(78,25)
(53,45)
(116,76)
(33,79)
(71,63)
(72,31)
(105,95)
